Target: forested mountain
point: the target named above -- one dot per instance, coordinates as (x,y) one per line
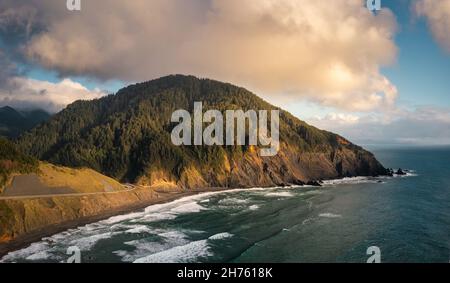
(13,122)
(127,136)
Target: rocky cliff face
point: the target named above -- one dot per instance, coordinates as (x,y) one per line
(127,136)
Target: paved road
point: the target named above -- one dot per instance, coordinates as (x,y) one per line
(128,187)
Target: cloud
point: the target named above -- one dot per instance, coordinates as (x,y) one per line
(338,118)
(21,92)
(421,126)
(437,13)
(329,52)
(7,68)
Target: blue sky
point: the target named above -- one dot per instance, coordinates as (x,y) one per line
(108,86)
(423,67)
(421,71)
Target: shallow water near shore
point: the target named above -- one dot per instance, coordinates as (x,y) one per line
(408,218)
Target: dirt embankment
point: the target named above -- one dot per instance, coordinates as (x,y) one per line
(57,197)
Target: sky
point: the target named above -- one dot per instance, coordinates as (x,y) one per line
(374,77)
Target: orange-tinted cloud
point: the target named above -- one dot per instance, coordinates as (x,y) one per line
(329,52)
(437,13)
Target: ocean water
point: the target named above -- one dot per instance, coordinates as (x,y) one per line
(407,217)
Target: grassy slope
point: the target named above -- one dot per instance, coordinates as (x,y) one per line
(81,180)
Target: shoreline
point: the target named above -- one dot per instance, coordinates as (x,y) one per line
(164,196)
(27,239)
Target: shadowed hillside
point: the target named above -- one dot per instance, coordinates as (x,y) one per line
(13,122)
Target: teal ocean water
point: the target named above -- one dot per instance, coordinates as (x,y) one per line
(407,217)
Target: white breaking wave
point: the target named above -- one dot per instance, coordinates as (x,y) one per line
(191,207)
(139,229)
(351,180)
(279,194)
(144,247)
(253,207)
(51,248)
(28,253)
(330,215)
(190,252)
(307,220)
(86,243)
(233,201)
(221,236)
(43,255)
(365,180)
(407,174)
(180,254)
(120,218)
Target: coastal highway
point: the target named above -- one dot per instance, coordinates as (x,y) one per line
(128,188)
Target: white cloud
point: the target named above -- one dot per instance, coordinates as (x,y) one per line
(23,92)
(329,52)
(338,118)
(421,126)
(437,13)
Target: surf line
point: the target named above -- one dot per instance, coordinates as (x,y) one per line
(236,121)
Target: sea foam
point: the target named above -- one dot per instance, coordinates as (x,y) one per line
(190,252)
(330,215)
(279,194)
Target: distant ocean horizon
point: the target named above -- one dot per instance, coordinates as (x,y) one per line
(406,217)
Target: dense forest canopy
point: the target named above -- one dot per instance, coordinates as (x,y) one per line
(127,135)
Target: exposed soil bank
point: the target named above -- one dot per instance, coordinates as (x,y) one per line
(37,218)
